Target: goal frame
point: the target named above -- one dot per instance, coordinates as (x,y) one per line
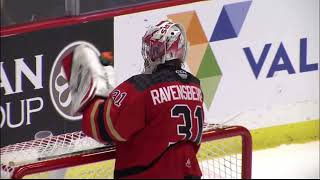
(104,154)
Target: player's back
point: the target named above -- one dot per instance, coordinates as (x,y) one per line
(171,100)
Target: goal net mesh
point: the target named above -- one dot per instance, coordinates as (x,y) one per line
(75,155)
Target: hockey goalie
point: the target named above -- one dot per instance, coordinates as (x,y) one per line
(155,118)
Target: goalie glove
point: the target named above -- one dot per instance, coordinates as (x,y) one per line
(87,77)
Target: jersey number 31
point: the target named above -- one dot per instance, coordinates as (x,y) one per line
(189,116)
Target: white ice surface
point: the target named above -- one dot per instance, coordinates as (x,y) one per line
(296,161)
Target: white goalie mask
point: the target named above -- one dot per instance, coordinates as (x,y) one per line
(164,42)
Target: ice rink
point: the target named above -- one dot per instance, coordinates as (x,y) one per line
(296,161)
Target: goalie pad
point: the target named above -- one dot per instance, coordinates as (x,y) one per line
(87,77)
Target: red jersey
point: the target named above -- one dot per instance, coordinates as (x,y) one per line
(153,119)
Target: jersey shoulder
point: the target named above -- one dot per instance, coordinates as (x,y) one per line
(145,81)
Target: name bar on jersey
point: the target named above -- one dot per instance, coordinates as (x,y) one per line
(176,92)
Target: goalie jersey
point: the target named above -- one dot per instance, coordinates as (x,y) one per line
(155,121)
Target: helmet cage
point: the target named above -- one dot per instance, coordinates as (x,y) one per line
(164,42)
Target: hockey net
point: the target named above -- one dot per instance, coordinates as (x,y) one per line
(225,152)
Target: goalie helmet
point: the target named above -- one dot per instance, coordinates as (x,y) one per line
(164,42)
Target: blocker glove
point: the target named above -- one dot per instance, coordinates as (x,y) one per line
(87,77)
